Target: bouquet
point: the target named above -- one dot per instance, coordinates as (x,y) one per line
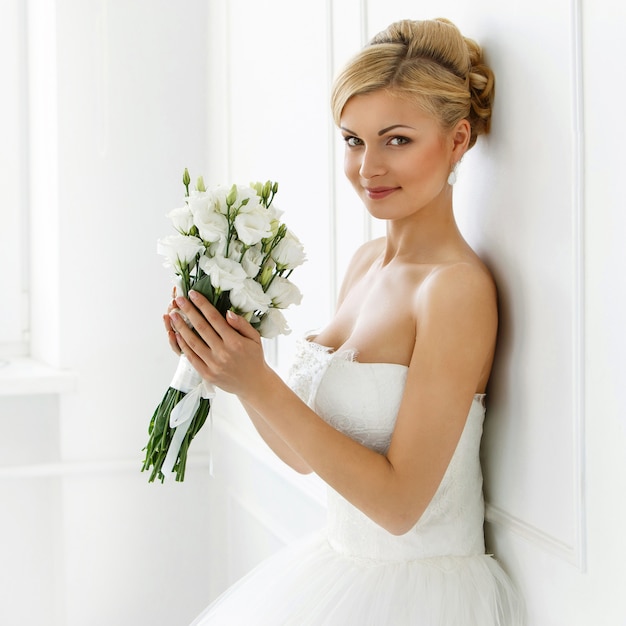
(230,246)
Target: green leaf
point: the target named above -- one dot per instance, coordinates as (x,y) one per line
(203,285)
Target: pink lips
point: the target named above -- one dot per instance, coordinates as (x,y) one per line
(378,193)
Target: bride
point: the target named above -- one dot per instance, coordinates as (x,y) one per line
(386,403)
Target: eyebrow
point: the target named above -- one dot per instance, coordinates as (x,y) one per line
(381,132)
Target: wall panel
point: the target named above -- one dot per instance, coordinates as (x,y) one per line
(518,203)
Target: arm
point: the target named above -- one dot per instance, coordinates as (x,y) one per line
(276,444)
(455,317)
(280,447)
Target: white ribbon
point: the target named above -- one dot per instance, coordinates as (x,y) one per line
(187,380)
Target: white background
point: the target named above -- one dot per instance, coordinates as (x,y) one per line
(120,97)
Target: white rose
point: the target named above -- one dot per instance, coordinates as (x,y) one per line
(182,219)
(180,250)
(225,274)
(283,293)
(253,226)
(273,324)
(289,252)
(249,296)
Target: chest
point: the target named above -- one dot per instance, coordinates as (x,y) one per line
(376,319)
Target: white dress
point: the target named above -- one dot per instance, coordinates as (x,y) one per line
(355,573)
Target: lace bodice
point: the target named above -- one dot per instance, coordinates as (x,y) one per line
(362,401)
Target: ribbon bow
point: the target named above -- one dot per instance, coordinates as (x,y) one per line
(187,380)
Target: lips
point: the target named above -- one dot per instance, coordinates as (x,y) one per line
(378,193)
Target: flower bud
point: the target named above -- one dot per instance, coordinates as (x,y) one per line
(232,196)
(200,184)
(266,275)
(267,188)
(186,181)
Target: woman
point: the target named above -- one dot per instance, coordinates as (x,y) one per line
(386,403)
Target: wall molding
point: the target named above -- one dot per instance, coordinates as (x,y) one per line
(73,468)
(534,535)
(578,205)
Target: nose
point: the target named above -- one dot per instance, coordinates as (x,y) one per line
(372,163)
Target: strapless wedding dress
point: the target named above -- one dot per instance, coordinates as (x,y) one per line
(355,573)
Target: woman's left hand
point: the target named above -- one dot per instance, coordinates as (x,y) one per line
(226,352)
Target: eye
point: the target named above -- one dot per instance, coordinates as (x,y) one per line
(399,141)
(352,141)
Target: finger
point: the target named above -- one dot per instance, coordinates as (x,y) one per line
(211,314)
(171,334)
(242,326)
(185,349)
(200,320)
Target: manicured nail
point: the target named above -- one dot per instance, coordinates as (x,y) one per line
(193,295)
(230,315)
(180,301)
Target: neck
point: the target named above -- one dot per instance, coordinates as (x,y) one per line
(429,236)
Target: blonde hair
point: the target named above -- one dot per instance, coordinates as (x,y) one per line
(427,61)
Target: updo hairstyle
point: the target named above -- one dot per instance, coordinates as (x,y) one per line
(429,62)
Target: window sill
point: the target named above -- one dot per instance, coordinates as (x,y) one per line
(24,376)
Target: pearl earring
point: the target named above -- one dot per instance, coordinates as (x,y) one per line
(452,177)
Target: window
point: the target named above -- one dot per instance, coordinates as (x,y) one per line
(13,182)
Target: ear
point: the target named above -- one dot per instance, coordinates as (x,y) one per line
(460,137)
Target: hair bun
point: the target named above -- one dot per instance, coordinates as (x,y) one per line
(481,83)
(430,61)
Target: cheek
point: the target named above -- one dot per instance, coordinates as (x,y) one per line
(430,162)
(351,166)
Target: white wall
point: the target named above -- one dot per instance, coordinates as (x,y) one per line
(126,94)
(526,200)
(118,92)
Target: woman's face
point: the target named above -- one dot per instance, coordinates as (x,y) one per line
(397,156)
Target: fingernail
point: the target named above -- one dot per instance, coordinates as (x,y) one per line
(230,315)
(193,295)
(180,301)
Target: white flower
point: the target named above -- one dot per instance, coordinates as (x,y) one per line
(212,226)
(253,226)
(182,219)
(219,199)
(251,261)
(274,212)
(200,202)
(273,324)
(205,207)
(283,293)
(289,252)
(249,296)
(178,286)
(225,274)
(180,250)
(246,200)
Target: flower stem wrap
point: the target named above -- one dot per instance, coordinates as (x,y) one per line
(176,421)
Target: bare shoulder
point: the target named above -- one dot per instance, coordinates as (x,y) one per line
(366,254)
(360,263)
(461,289)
